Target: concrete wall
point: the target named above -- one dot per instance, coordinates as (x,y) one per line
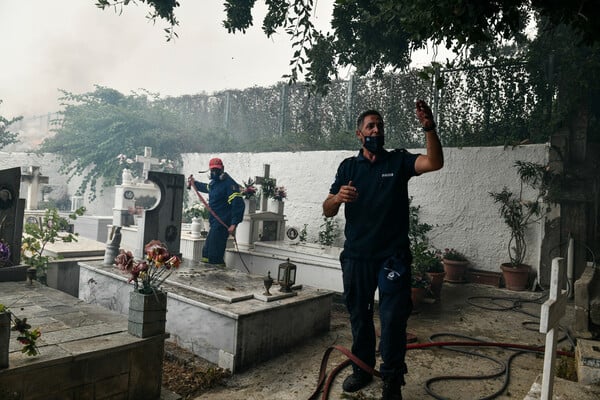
(455,199)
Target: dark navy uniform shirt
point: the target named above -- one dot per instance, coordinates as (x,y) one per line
(377,222)
(225,199)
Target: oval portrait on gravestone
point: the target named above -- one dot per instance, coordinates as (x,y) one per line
(292,233)
(6,198)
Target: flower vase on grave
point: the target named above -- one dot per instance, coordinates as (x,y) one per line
(275,206)
(250,206)
(4,338)
(147,313)
(197,227)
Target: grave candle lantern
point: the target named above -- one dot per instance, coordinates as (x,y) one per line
(286,276)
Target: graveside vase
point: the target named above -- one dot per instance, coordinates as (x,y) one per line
(196,227)
(250,206)
(4,338)
(147,313)
(275,206)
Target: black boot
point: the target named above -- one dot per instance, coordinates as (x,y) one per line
(356,381)
(392,389)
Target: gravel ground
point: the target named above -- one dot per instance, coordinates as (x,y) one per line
(293,375)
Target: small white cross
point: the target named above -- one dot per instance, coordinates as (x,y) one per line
(147,160)
(552,312)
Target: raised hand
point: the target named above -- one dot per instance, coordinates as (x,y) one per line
(425,115)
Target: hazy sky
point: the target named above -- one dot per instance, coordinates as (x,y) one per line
(48,45)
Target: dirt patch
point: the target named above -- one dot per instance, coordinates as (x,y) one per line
(189,375)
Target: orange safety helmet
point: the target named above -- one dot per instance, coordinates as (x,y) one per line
(215,163)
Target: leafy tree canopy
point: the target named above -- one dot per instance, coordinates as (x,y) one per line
(99,126)
(7,137)
(373,34)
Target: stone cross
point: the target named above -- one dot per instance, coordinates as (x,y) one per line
(34,178)
(259,180)
(552,311)
(147,160)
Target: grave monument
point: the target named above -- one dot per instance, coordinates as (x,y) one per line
(34,178)
(12,210)
(222,315)
(260,226)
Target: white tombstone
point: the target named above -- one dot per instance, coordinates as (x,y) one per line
(552,312)
(34,178)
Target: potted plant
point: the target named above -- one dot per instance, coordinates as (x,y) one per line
(50,228)
(147,301)
(518,213)
(276,202)
(430,260)
(419,283)
(419,244)
(455,265)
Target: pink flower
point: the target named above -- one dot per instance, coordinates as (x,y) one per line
(124,260)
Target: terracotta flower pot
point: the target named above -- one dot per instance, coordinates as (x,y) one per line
(437,281)
(515,278)
(455,270)
(417,295)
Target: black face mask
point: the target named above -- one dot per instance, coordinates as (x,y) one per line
(374,143)
(215,173)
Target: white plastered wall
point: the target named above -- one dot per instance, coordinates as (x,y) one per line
(454,200)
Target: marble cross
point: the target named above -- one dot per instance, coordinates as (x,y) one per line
(552,311)
(259,180)
(147,160)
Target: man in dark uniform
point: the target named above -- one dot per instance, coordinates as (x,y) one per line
(226,201)
(374,188)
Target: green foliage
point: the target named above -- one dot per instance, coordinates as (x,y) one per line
(268,188)
(196,210)
(417,231)
(329,232)
(62,203)
(517,212)
(99,125)
(6,136)
(303,234)
(50,228)
(161,9)
(372,35)
(425,260)
(27,337)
